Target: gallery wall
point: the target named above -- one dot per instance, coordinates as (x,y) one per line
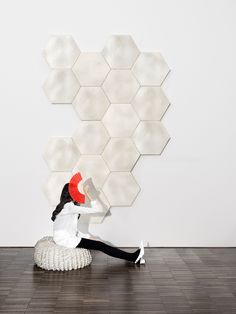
(187,195)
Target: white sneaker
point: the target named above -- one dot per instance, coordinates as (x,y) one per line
(141,253)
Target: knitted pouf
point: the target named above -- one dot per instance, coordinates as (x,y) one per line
(51,256)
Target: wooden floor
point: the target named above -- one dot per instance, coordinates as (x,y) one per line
(178,280)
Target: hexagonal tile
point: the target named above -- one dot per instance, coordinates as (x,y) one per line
(61,86)
(61,51)
(91,103)
(120,188)
(120,154)
(91,137)
(150,103)
(120,86)
(61,154)
(120,51)
(120,120)
(92,166)
(150,137)
(150,68)
(53,186)
(91,69)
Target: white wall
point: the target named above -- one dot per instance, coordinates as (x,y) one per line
(187,194)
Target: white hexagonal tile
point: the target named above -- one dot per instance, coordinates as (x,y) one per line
(150,68)
(91,137)
(91,103)
(150,137)
(120,120)
(92,166)
(150,103)
(120,51)
(120,86)
(61,51)
(61,154)
(91,69)
(120,188)
(120,154)
(54,185)
(61,86)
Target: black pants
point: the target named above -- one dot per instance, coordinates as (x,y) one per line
(108,249)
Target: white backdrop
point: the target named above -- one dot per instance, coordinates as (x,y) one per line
(188,193)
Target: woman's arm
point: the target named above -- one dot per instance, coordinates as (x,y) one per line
(70,207)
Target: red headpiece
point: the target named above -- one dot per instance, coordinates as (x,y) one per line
(73,188)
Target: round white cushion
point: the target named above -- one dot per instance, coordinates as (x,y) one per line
(51,256)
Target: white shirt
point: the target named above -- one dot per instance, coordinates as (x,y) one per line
(65,226)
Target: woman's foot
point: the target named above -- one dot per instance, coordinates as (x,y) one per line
(141,253)
(136,254)
(141,261)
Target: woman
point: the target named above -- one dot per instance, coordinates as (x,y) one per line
(65,232)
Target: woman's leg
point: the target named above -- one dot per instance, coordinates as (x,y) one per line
(108,249)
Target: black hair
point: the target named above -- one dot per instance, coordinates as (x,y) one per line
(65,198)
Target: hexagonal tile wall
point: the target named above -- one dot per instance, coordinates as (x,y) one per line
(118,96)
(120,154)
(150,137)
(61,86)
(91,69)
(120,86)
(61,154)
(91,103)
(92,166)
(150,68)
(120,120)
(120,51)
(54,185)
(150,103)
(61,51)
(91,137)
(121,188)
